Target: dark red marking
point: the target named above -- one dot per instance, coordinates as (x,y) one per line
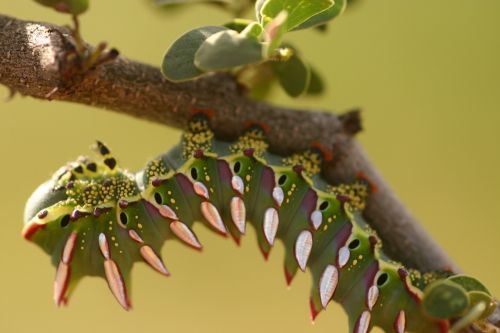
(403,274)
(256,124)
(62,298)
(198,153)
(209,113)
(76,214)
(156,182)
(288,277)
(373,240)
(70,185)
(31,229)
(123,204)
(314,312)
(43,214)
(444,326)
(264,253)
(249,152)
(298,168)
(98,211)
(371,184)
(342,198)
(327,154)
(237,239)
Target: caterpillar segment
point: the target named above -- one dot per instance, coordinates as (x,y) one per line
(96,219)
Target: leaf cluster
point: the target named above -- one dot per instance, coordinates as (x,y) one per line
(254,50)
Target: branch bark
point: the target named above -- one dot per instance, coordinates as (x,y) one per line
(34,62)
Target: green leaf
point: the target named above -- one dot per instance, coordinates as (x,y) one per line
(75,7)
(299,11)
(178,62)
(316,86)
(227,49)
(274,32)
(238,24)
(445,299)
(469,283)
(479,296)
(254,30)
(293,75)
(324,16)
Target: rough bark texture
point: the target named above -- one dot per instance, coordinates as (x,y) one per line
(35,61)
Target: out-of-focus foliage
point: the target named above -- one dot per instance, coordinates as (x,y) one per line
(247,44)
(75,7)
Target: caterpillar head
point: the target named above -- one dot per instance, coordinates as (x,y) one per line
(91,219)
(458,296)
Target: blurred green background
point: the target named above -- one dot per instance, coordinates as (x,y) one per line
(427,77)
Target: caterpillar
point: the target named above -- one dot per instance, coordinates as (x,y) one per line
(95,218)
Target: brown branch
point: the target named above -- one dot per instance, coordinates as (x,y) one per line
(34,61)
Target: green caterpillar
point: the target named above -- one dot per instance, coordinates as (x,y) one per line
(97,219)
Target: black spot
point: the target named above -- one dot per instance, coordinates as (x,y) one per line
(194,173)
(382,279)
(110,162)
(103,149)
(78,169)
(282,179)
(158,198)
(324,205)
(123,218)
(65,221)
(237,167)
(354,244)
(92,167)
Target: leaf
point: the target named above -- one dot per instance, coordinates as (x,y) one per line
(469,283)
(238,24)
(479,296)
(178,62)
(254,30)
(274,32)
(293,75)
(227,49)
(325,16)
(299,11)
(316,85)
(75,7)
(445,299)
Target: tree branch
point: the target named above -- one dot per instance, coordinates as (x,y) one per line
(34,61)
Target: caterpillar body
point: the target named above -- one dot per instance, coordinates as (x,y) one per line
(95,218)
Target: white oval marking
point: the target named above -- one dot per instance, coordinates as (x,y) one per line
(328,284)
(303,246)
(213,217)
(237,184)
(201,190)
(343,256)
(238,213)
(316,219)
(271,221)
(278,195)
